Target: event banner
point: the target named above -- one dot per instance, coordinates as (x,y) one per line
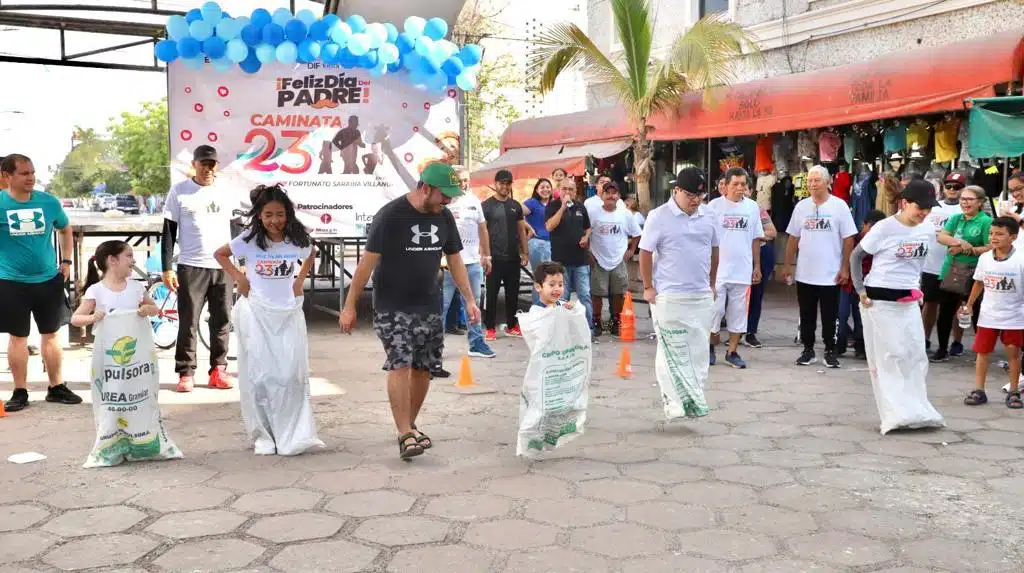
(342,143)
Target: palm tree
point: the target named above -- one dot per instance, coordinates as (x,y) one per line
(700,58)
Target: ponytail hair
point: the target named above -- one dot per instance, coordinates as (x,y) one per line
(98,262)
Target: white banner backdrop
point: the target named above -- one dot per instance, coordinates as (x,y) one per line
(341,142)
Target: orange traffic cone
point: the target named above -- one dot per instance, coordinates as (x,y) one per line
(3,412)
(625,364)
(627,320)
(465,374)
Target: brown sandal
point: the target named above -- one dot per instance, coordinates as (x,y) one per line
(423,439)
(406,451)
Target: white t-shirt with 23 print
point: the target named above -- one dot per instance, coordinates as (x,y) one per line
(936,250)
(203,215)
(272,272)
(610,234)
(821,230)
(898,253)
(739,224)
(1002,306)
(468,215)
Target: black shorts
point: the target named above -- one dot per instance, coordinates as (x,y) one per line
(930,287)
(410,340)
(46,302)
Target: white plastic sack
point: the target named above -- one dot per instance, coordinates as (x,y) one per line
(125,385)
(553,403)
(683,324)
(273,377)
(894,343)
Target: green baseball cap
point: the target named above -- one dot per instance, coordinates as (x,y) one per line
(442,176)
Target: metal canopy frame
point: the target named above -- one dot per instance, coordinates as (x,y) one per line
(149,33)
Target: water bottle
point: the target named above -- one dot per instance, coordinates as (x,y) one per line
(964,319)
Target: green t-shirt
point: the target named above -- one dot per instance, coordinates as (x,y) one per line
(27,253)
(974,231)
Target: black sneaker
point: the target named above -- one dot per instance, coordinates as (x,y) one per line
(927,345)
(752,341)
(597,329)
(613,328)
(859,355)
(440,373)
(956,349)
(830,359)
(455,330)
(940,355)
(840,351)
(807,357)
(61,394)
(18,401)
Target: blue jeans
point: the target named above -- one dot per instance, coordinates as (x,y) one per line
(849,304)
(476,277)
(577,279)
(757,291)
(540,251)
(456,314)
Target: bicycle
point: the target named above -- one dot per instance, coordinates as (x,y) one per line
(165,323)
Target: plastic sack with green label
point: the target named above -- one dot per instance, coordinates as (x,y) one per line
(125,385)
(683,324)
(553,403)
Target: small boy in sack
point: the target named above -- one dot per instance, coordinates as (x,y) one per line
(553,402)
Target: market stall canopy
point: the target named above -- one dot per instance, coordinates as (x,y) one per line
(537,162)
(927,80)
(996,127)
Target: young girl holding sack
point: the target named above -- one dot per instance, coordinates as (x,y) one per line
(273,357)
(125,379)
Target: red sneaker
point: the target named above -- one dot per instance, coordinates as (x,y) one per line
(491,334)
(514,331)
(185,383)
(220,379)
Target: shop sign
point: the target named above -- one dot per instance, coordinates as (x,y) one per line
(749,106)
(868,89)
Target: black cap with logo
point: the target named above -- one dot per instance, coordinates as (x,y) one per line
(691,180)
(204,153)
(921,192)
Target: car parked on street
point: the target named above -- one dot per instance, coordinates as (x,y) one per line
(127,204)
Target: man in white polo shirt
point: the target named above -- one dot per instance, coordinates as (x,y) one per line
(822,230)
(680,288)
(739,231)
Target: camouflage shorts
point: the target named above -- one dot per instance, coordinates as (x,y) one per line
(410,340)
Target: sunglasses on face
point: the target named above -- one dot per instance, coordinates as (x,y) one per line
(954,186)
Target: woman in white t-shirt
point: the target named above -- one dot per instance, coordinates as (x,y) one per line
(107,287)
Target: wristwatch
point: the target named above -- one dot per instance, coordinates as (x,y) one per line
(66,262)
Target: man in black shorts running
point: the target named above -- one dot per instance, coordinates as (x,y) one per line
(31,281)
(403,251)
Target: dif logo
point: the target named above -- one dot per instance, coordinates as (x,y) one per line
(326,92)
(326,218)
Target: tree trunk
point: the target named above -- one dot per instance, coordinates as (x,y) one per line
(642,169)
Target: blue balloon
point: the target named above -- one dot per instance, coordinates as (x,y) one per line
(411,61)
(329,53)
(378,35)
(368,60)
(287,52)
(251,35)
(309,51)
(211,12)
(453,66)
(452,81)
(359,44)
(394,68)
(260,17)
(392,32)
(340,33)
(242,21)
(251,63)
(378,70)
(281,16)
(414,26)
(200,30)
(319,31)
(436,29)
(357,23)
(237,50)
(424,46)
(265,53)
(193,15)
(471,54)
(295,30)
(195,64)
(346,59)
(438,82)
(225,14)
(405,43)
(222,65)
(214,47)
(331,20)
(189,47)
(167,50)
(388,53)
(306,16)
(273,34)
(466,81)
(429,67)
(177,27)
(228,29)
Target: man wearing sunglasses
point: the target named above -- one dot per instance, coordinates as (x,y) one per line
(949,206)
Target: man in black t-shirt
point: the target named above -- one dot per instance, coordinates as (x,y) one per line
(506,228)
(403,251)
(568,225)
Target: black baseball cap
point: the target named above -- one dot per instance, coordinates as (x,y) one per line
(921,192)
(690,179)
(503,175)
(204,153)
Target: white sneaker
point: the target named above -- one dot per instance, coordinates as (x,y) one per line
(1020,384)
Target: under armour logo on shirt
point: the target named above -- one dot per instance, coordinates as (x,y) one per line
(418,235)
(26,221)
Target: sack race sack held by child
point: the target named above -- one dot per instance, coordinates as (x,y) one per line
(273,376)
(125,384)
(553,403)
(894,343)
(683,324)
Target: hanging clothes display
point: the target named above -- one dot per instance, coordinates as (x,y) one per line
(800,185)
(918,136)
(764,186)
(828,146)
(990,177)
(965,157)
(850,147)
(782,152)
(783,200)
(807,145)
(862,197)
(841,185)
(763,162)
(895,137)
(946,132)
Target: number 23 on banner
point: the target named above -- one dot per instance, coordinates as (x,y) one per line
(260,163)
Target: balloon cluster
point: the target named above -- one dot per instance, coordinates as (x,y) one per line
(420,51)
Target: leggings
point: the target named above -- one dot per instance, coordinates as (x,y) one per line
(503,274)
(757,291)
(949,305)
(811,298)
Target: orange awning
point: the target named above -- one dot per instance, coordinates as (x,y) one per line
(537,162)
(927,80)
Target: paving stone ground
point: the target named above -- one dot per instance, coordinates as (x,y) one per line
(788,474)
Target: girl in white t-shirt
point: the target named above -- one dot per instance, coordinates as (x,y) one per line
(114,261)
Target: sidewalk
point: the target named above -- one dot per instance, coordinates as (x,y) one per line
(788,474)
